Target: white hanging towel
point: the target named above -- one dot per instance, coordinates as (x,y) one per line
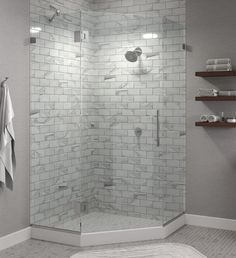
(7,138)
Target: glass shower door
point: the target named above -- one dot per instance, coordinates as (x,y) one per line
(107,119)
(123,79)
(173,168)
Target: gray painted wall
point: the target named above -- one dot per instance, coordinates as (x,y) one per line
(211,153)
(14,62)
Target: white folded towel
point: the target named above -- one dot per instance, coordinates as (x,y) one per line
(219,67)
(218,61)
(207,92)
(7,138)
(227,93)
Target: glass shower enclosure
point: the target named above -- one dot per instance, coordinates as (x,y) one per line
(107,118)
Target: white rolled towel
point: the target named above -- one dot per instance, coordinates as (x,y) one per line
(204,118)
(219,67)
(213,118)
(217,61)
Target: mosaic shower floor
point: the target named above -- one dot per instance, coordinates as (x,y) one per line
(99,222)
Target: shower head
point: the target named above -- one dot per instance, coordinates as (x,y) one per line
(132,56)
(57,13)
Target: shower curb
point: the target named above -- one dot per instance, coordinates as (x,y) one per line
(108,237)
(60,236)
(76,239)
(132,235)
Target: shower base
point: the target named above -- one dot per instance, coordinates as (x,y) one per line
(100,222)
(142,233)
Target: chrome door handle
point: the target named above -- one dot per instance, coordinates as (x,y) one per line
(158,128)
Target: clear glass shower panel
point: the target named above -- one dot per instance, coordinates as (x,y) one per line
(122,77)
(56,152)
(173,113)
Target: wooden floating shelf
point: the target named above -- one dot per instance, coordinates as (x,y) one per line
(216,74)
(217,98)
(216,124)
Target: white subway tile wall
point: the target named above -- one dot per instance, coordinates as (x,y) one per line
(87,100)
